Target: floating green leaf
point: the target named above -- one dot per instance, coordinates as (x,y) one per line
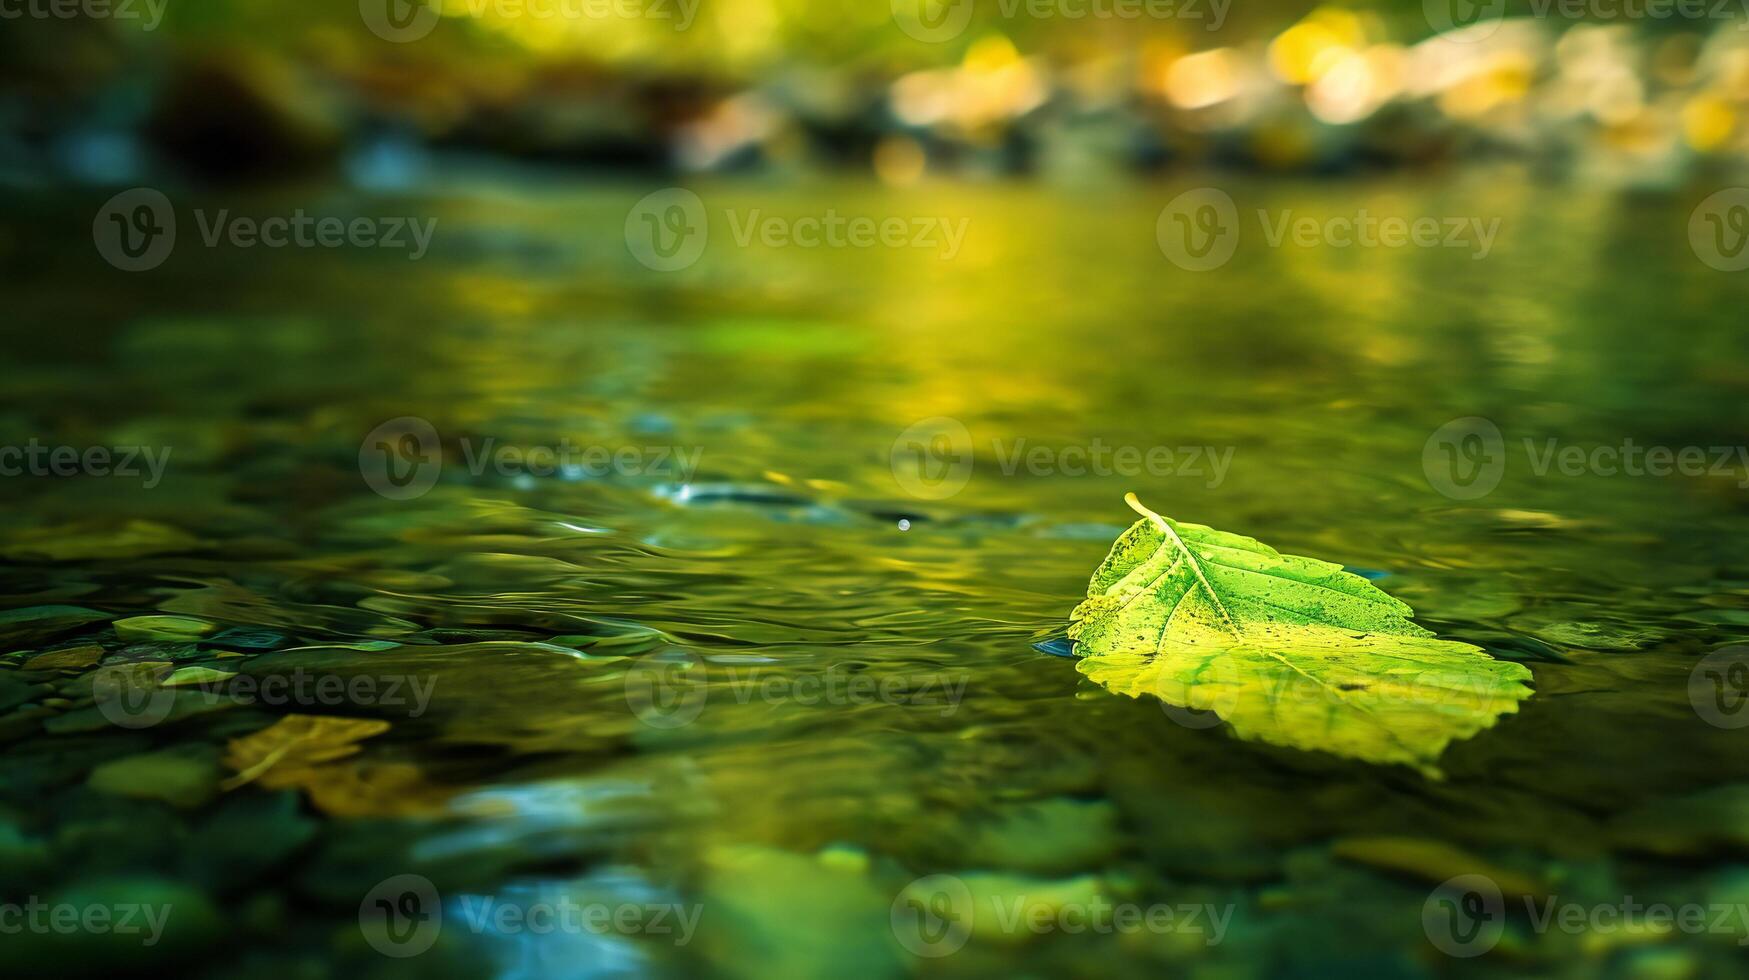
(1288,650)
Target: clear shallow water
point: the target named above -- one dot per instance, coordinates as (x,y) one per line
(776,687)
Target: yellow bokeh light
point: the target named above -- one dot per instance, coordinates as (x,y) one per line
(1304,52)
(991,53)
(899,161)
(1357,86)
(1507,79)
(993,83)
(923,98)
(1202,79)
(1616,98)
(1708,122)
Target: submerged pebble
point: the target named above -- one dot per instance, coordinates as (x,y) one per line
(35,624)
(70,658)
(185,777)
(175,629)
(244,638)
(1432,861)
(1047,837)
(1009,909)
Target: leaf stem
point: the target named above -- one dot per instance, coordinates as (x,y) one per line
(1189,557)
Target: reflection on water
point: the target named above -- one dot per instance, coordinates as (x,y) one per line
(686,639)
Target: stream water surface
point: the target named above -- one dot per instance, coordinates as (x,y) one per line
(711,621)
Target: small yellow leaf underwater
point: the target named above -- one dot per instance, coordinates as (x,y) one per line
(285,753)
(315,753)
